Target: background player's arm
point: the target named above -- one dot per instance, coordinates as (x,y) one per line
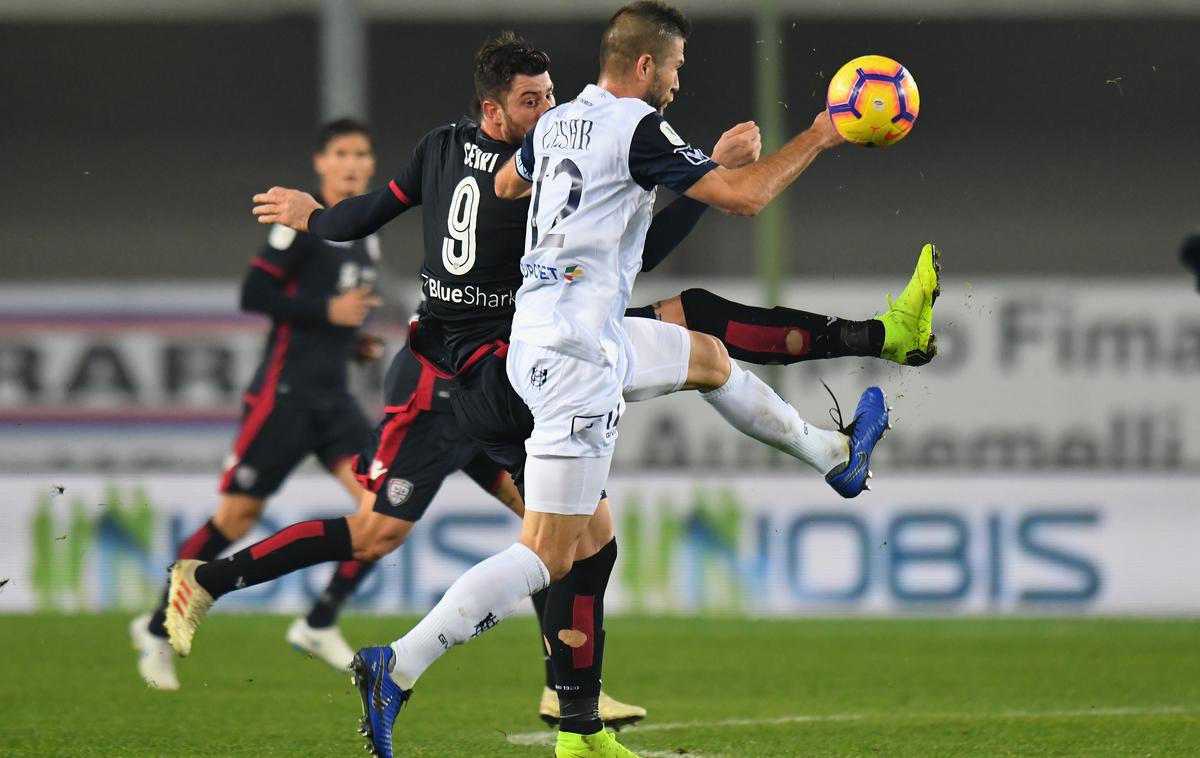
(265,288)
(746,191)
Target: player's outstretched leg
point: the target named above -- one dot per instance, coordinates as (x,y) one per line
(317,633)
(780,335)
(613,712)
(196,585)
(670,358)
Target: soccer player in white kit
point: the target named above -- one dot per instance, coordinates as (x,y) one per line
(593,166)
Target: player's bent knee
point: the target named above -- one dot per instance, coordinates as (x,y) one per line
(373,536)
(237,514)
(557,565)
(708,367)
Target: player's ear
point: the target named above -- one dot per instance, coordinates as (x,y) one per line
(645,67)
(489,109)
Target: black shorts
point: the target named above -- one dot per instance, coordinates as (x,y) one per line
(276,437)
(412,452)
(485,402)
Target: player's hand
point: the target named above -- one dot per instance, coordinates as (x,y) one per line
(822,128)
(351,308)
(280,205)
(368,349)
(739,146)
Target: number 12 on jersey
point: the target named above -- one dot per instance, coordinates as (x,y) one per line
(565,166)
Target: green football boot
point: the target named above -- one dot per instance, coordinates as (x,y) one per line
(602,744)
(908,337)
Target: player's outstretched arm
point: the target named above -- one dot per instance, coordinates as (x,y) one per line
(746,191)
(351,219)
(510,185)
(739,146)
(282,205)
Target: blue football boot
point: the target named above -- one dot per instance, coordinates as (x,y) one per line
(868,427)
(381,697)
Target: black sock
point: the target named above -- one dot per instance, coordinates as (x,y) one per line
(295,547)
(574,630)
(345,581)
(539,607)
(778,335)
(206,543)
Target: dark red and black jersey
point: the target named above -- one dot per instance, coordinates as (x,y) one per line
(293,278)
(473,242)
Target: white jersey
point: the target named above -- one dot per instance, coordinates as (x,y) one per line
(595,163)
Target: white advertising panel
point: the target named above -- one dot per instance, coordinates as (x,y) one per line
(777,545)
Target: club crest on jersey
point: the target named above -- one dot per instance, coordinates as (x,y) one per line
(571,273)
(537,376)
(398,490)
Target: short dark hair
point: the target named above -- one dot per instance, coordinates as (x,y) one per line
(340,128)
(502,58)
(646,26)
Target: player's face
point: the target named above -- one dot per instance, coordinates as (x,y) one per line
(526,101)
(346,165)
(665,83)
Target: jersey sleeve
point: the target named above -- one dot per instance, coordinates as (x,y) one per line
(524,157)
(406,185)
(659,156)
(284,252)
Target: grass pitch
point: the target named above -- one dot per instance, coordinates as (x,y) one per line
(714,688)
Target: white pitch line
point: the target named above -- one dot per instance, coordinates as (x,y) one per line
(547,737)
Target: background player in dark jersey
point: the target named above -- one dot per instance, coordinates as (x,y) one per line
(317,294)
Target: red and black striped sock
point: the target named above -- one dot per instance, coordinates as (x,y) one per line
(574,631)
(341,585)
(778,335)
(205,544)
(295,547)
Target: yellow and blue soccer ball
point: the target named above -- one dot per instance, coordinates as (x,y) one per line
(873,101)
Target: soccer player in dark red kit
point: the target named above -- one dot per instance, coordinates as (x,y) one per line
(317,294)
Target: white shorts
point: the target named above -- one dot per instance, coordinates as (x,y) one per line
(576,405)
(658,360)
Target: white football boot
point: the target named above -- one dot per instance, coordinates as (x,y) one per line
(613,713)
(156,659)
(187,605)
(328,644)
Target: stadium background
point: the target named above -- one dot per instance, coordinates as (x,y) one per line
(1047,463)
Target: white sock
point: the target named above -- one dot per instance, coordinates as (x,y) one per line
(753,408)
(477,601)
